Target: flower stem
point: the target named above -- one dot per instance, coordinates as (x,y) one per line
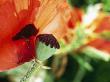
(35,68)
(80,74)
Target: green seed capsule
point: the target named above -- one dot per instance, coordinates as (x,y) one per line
(46,46)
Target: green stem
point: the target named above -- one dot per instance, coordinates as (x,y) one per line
(82,69)
(80,74)
(35,68)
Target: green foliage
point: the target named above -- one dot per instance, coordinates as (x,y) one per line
(84,62)
(101,72)
(96,54)
(83,3)
(77,3)
(106,5)
(94,1)
(69,73)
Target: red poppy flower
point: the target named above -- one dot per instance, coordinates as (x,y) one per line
(18,29)
(14,16)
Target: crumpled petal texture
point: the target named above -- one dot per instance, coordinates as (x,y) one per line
(14,15)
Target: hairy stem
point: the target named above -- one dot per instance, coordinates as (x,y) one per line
(35,68)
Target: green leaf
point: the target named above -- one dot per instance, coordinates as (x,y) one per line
(96,54)
(106,5)
(84,62)
(43,51)
(77,3)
